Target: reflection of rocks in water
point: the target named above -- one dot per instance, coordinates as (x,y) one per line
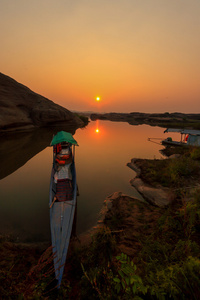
(16,149)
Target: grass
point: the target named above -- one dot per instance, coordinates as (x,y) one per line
(171,172)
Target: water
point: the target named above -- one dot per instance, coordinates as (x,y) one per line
(101,159)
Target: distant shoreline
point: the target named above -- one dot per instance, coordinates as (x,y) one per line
(176,120)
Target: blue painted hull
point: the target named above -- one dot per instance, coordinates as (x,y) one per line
(61,221)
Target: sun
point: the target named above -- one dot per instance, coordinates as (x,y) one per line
(98,98)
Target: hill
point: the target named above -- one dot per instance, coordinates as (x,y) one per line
(22,109)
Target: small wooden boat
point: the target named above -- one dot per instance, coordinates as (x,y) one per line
(169,142)
(189,137)
(62,199)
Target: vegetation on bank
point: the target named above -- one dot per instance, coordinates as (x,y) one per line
(141,252)
(172,120)
(182,171)
(83,118)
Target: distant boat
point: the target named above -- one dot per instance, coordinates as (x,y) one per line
(62,198)
(189,137)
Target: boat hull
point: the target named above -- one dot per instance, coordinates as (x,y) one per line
(173,143)
(61,222)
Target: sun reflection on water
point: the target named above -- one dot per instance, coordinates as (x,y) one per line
(97,126)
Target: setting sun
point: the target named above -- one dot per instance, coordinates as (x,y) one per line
(97,98)
(97,130)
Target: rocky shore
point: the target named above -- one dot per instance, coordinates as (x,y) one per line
(154,119)
(158,196)
(21,109)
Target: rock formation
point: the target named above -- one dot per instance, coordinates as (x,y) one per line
(159,196)
(22,109)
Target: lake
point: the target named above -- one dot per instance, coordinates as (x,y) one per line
(104,150)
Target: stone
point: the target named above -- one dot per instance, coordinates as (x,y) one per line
(133,166)
(160,197)
(22,109)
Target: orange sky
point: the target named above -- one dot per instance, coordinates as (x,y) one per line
(137,55)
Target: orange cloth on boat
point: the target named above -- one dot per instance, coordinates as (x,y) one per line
(64,157)
(60,162)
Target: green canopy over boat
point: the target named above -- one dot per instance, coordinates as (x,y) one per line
(63,136)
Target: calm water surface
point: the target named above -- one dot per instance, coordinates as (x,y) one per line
(101,160)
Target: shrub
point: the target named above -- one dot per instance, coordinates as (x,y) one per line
(103,245)
(116,283)
(195,153)
(178,281)
(126,281)
(85,119)
(180,169)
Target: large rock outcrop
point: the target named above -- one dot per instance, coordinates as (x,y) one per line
(158,196)
(21,108)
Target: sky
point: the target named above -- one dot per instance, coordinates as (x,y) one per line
(136,55)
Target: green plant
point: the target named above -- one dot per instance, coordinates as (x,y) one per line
(93,275)
(177,281)
(83,118)
(195,153)
(103,246)
(126,281)
(41,276)
(180,169)
(190,213)
(119,282)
